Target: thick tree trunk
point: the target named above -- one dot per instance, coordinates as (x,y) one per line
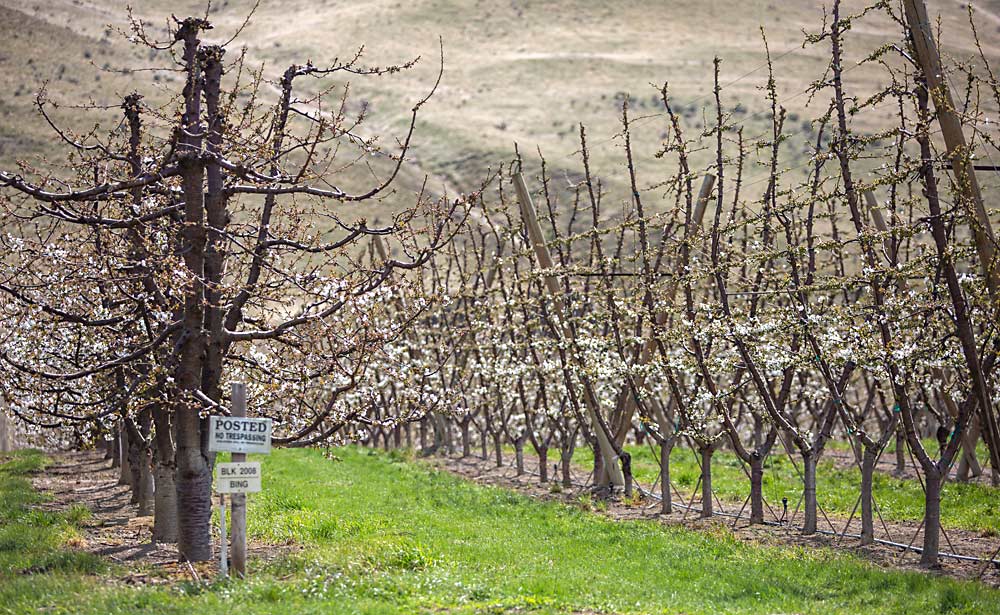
(932,519)
(423,433)
(666,503)
(519,455)
(756,489)
(867,501)
(135,462)
(706,481)
(809,494)
(194,490)
(165,504)
(116,448)
(193,477)
(484,445)
(146,489)
(543,464)
(125,470)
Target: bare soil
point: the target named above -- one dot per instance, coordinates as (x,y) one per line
(113,530)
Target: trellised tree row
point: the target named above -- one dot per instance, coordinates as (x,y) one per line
(203,242)
(851,298)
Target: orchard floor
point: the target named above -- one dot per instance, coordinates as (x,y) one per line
(731,518)
(357,531)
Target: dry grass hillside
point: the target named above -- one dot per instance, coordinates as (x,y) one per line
(525,72)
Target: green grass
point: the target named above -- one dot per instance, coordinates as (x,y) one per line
(386,535)
(34,560)
(967,506)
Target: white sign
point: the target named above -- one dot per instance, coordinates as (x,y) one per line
(228,434)
(241,477)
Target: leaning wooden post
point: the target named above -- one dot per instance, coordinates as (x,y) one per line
(929,58)
(238,516)
(628,403)
(968,442)
(530,217)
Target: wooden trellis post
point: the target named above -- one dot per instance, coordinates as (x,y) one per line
(929,58)
(544,259)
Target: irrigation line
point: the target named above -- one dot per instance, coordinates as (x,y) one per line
(889,543)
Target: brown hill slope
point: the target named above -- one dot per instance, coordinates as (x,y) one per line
(516,71)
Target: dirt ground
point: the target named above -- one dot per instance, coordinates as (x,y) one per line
(961,542)
(114,532)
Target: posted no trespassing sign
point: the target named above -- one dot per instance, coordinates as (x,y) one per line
(239,435)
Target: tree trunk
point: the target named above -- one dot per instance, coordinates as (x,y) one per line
(666,503)
(867,501)
(466,438)
(423,433)
(5,446)
(194,490)
(565,459)
(809,494)
(449,441)
(165,505)
(116,449)
(107,443)
(165,501)
(968,464)
(145,492)
(543,464)
(125,471)
(932,518)
(900,454)
(600,476)
(756,489)
(706,481)
(135,462)
(484,444)
(498,450)
(519,455)
(627,472)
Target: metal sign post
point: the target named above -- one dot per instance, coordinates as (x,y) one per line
(223,538)
(239,500)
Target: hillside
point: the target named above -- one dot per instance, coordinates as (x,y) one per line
(515,72)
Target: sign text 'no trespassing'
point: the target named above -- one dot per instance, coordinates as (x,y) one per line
(239,435)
